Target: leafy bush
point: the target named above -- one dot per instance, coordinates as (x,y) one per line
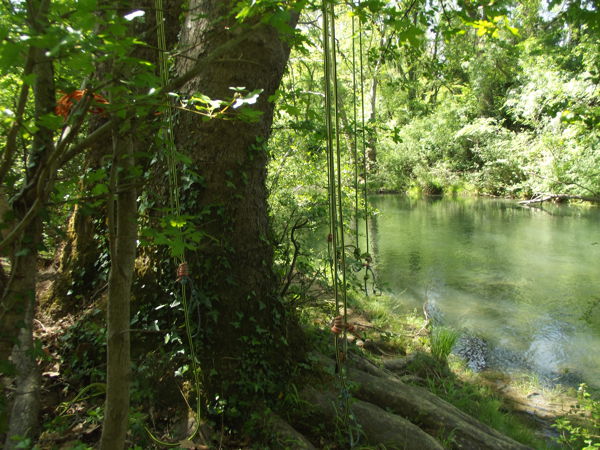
(581,434)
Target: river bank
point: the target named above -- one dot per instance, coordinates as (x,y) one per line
(518,406)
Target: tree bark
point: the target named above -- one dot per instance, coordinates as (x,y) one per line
(23,419)
(284,435)
(122,234)
(379,426)
(432,414)
(428,410)
(19,298)
(243,331)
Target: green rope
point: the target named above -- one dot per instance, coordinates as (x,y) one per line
(364,152)
(339,169)
(355,134)
(175,208)
(335,199)
(329,143)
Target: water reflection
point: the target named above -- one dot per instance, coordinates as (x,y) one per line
(523,279)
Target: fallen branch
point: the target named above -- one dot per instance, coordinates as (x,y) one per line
(300,223)
(541,198)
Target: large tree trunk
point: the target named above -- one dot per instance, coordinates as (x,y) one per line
(242,342)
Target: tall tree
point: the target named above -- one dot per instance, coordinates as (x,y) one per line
(18,299)
(243,333)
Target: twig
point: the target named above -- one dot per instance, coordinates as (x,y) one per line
(299,224)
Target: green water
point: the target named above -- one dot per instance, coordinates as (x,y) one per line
(527,280)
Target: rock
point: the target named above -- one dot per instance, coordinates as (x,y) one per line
(474,350)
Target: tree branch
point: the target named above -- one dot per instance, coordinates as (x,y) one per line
(11,138)
(290,275)
(547,197)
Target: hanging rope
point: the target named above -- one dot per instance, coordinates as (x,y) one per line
(186,290)
(335,238)
(355,136)
(367,255)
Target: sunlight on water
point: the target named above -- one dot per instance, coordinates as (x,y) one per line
(526,280)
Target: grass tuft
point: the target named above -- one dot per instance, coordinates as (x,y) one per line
(442,342)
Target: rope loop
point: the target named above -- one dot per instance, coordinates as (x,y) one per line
(338,325)
(183,271)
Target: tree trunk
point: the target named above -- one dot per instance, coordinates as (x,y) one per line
(26,399)
(80,259)
(372,136)
(372,140)
(19,299)
(80,270)
(243,331)
(122,234)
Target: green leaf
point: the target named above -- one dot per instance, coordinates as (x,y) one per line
(100,189)
(249,115)
(177,222)
(50,121)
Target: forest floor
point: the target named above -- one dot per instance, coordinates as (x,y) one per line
(397,344)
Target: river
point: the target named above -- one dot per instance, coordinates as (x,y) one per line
(525,280)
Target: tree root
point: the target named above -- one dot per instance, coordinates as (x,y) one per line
(376,425)
(285,435)
(399,415)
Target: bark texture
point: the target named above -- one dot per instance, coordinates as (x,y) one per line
(19,298)
(429,411)
(285,436)
(123,234)
(399,415)
(378,426)
(243,325)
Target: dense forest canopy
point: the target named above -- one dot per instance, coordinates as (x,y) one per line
(160,159)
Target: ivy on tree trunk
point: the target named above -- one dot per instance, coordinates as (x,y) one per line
(242,341)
